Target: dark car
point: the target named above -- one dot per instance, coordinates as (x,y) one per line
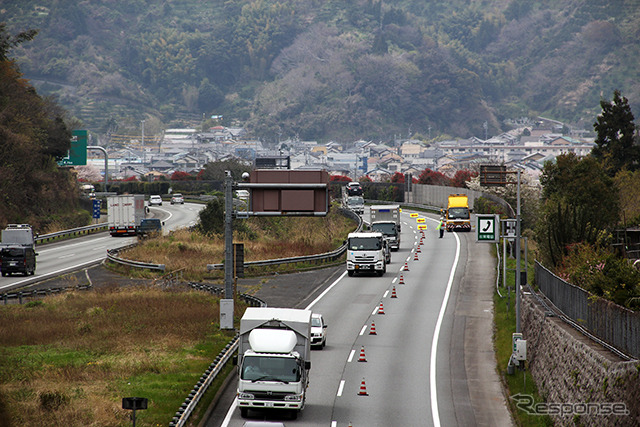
(17,259)
(150,226)
(354,189)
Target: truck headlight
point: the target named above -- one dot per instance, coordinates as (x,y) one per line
(293,398)
(247,396)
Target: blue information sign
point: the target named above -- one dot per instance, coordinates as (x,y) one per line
(96,208)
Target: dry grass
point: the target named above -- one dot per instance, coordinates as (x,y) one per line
(266,238)
(69,360)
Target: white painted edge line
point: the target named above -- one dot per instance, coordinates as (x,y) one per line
(350,358)
(375,310)
(326,291)
(340,389)
(232,409)
(364,328)
(334,424)
(55,273)
(434,344)
(394,280)
(385,293)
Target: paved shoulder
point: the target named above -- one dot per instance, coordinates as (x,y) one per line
(475,306)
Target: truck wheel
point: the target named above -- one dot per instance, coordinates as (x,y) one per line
(244,412)
(349,272)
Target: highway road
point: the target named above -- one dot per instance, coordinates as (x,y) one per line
(415,372)
(69,255)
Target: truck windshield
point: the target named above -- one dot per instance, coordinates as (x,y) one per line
(387,228)
(364,244)
(353,201)
(458,213)
(265,368)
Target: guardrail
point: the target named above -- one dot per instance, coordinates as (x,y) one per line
(112,255)
(327,256)
(210,374)
(72,232)
(20,295)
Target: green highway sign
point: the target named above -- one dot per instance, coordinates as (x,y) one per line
(78,152)
(487,228)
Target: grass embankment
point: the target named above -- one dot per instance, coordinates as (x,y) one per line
(264,238)
(505,326)
(68,360)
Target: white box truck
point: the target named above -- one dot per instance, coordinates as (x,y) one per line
(274,359)
(125,212)
(386,220)
(366,253)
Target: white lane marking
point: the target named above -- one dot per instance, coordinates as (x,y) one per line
(70,245)
(385,293)
(350,358)
(340,388)
(66,256)
(364,328)
(325,291)
(409,258)
(434,344)
(233,407)
(334,424)
(375,310)
(394,280)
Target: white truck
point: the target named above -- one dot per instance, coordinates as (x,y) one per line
(125,212)
(366,253)
(386,220)
(274,359)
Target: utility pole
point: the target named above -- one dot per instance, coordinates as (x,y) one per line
(144,155)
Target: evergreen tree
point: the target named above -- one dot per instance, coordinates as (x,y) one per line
(616,146)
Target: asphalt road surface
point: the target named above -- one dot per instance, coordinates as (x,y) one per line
(431,360)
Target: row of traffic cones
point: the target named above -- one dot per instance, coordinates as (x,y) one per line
(372,329)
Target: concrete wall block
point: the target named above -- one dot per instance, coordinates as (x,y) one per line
(567,369)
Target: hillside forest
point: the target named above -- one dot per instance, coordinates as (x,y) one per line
(329,70)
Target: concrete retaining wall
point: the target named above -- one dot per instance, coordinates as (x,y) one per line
(568,368)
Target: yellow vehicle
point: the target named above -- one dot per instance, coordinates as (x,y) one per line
(458,215)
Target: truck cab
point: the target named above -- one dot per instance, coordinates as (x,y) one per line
(458,215)
(366,253)
(274,359)
(390,231)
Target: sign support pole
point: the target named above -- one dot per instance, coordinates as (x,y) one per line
(518,259)
(226,313)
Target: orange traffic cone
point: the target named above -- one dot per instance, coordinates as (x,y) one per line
(362,357)
(418,250)
(393,293)
(381,309)
(372,329)
(415,258)
(406,266)
(363,389)
(401,282)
